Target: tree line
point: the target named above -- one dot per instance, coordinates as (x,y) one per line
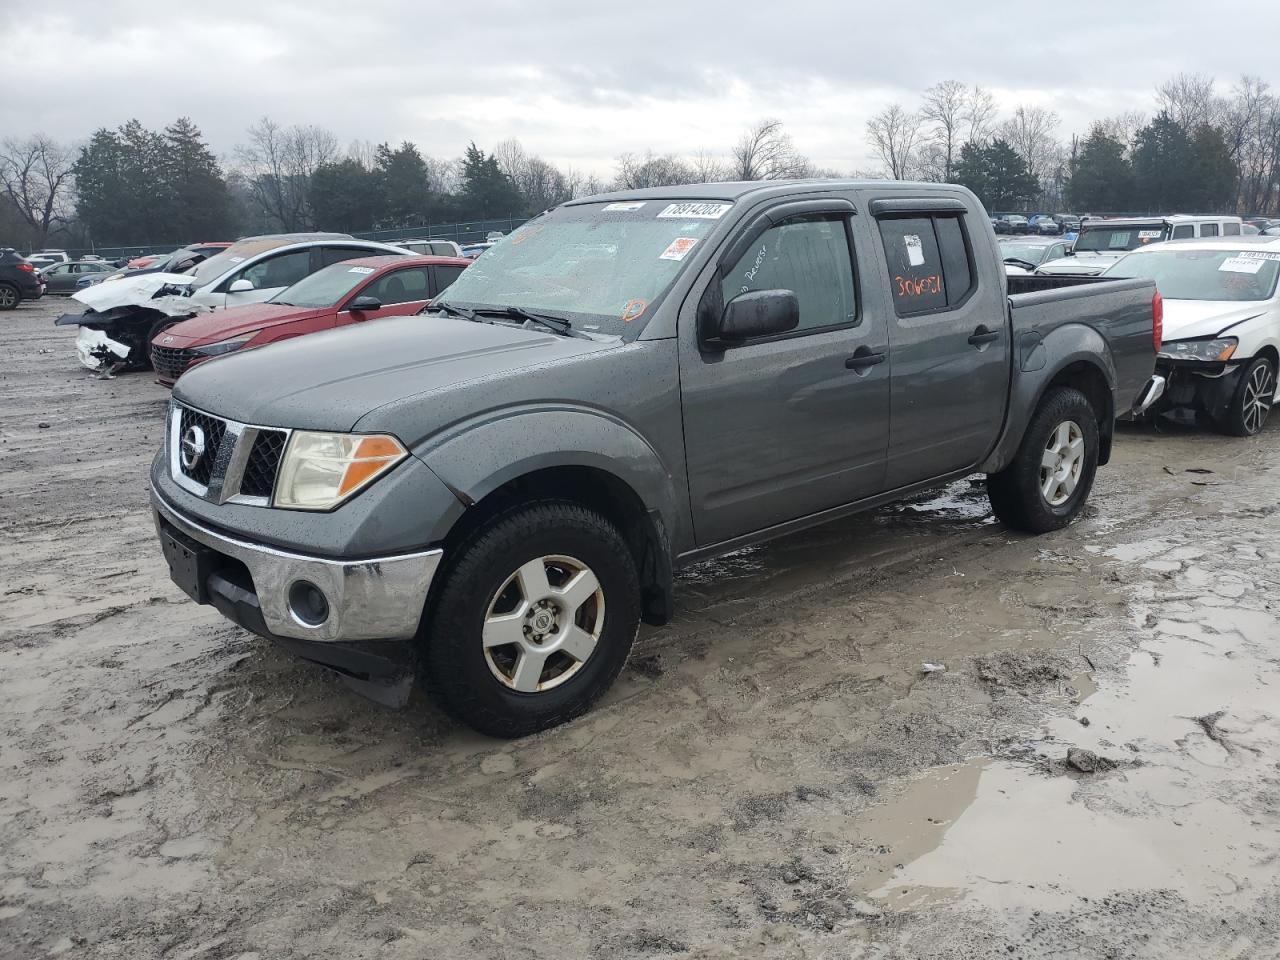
(1204,151)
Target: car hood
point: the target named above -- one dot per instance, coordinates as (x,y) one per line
(222,324)
(1194,319)
(330,380)
(1086,264)
(132,291)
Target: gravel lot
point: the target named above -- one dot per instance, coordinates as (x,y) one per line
(773,776)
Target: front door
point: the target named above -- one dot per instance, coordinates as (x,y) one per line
(794,424)
(950,346)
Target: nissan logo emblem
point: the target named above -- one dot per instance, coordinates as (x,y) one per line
(192,446)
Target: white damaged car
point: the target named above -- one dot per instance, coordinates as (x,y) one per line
(121,318)
(1221,344)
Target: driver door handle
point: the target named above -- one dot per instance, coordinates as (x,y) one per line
(863,358)
(983,336)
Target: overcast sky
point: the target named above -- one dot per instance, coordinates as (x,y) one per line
(580,83)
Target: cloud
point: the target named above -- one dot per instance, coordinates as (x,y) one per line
(581,83)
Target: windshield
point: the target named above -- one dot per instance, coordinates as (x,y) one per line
(601,265)
(221,262)
(325,287)
(1205,274)
(1102,239)
(1030,252)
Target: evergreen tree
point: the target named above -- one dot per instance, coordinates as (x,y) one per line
(346,195)
(1214,172)
(487,192)
(1164,173)
(195,192)
(402,176)
(1101,176)
(997,174)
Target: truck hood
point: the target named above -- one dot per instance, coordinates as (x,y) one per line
(1082,264)
(1194,319)
(128,291)
(223,324)
(330,380)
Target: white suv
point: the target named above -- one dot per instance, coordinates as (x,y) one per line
(1102,242)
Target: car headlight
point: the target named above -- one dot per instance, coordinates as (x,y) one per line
(320,470)
(1209,351)
(226,346)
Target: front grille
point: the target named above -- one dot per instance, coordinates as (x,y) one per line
(170,362)
(260,469)
(198,432)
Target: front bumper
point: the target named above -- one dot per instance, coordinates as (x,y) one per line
(251,584)
(1207,387)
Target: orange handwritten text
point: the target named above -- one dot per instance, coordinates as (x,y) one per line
(908,287)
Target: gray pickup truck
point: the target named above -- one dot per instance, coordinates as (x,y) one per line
(628,383)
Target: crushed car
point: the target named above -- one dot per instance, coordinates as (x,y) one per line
(121,318)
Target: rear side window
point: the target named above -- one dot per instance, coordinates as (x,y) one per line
(330,255)
(446,274)
(1183,232)
(402,286)
(1208,229)
(929,263)
(1231,229)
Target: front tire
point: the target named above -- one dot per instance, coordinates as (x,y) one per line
(1251,403)
(534,620)
(1048,482)
(10,296)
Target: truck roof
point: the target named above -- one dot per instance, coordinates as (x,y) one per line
(735,190)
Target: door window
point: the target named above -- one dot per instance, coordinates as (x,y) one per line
(929,263)
(808,255)
(330,255)
(400,287)
(1231,229)
(282,270)
(1183,231)
(446,274)
(1208,229)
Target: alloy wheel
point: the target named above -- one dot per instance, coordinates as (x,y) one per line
(1259,392)
(1061,463)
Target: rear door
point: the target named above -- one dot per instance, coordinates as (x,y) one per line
(949,338)
(786,426)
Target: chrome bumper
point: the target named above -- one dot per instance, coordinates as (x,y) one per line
(378,599)
(1152,392)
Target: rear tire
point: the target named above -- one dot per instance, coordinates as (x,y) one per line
(1048,482)
(508,653)
(10,296)
(1246,415)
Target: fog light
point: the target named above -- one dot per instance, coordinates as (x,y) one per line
(307,602)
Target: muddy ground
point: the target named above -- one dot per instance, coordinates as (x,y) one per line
(773,776)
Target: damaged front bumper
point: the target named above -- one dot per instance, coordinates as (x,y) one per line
(1196,385)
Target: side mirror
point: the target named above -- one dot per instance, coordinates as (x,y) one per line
(365,303)
(758,313)
(241,286)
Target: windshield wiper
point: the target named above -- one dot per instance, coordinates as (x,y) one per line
(449,310)
(1021,263)
(558,324)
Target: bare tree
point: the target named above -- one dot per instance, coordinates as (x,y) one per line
(1123,126)
(944,107)
(652,171)
(1251,129)
(709,168)
(979,113)
(894,133)
(35,175)
(1189,98)
(443,176)
(278,163)
(1030,131)
(766,152)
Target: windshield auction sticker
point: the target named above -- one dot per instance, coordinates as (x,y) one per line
(1241,265)
(361,270)
(623,207)
(1257,255)
(694,211)
(915,249)
(678,249)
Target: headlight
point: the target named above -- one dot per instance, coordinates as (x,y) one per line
(1209,351)
(320,470)
(226,346)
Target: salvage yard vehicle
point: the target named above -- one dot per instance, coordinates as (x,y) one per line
(1221,324)
(19,279)
(121,318)
(1102,242)
(1016,223)
(1023,254)
(625,384)
(354,291)
(180,261)
(430,248)
(63,277)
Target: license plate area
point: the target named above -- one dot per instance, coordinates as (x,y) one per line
(190,563)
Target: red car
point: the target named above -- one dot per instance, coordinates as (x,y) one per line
(352,291)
